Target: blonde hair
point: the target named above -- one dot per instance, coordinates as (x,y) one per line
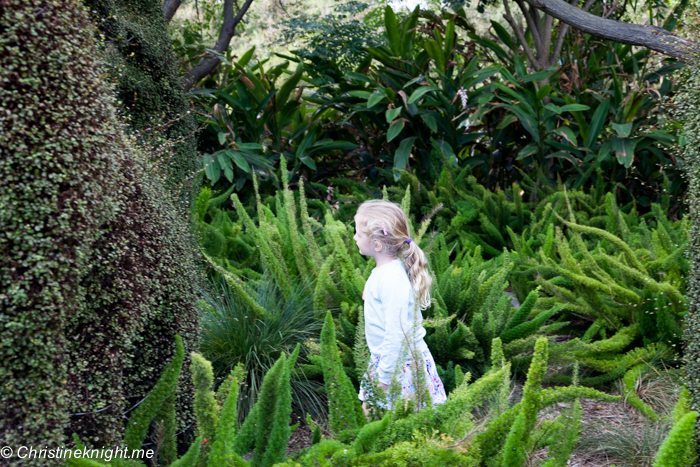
(370,216)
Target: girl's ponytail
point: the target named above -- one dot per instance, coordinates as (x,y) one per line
(416,263)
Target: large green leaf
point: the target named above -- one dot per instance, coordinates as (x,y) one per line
(288,86)
(328,145)
(574,108)
(527,120)
(246,57)
(567,133)
(436,53)
(624,149)
(543,91)
(357,77)
(308,161)
(228,173)
(531,148)
(418,93)
(238,159)
(360,94)
(402,153)
(305,143)
(222,159)
(374,99)
(429,120)
(449,37)
(517,96)
(661,136)
(479,77)
(250,146)
(505,58)
(503,34)
(520,69)
(554,108)
(579,116)
(506,121)
(212,168)
(597,122)
(394,129)
(392,29)
(622,130)
(391,114)
(540,75)
(604,152)
(563,155)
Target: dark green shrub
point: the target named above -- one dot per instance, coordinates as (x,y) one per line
(142,63)
(97,271)
(232,334)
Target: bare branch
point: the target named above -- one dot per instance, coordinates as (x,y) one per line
(546,41)
(520,35)
(532,25)
(208,64)
(170,8)
(652,37)
(534,12)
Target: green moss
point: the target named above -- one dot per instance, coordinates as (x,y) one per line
(97,271)
(142,62)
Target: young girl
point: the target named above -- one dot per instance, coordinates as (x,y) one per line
(392,318)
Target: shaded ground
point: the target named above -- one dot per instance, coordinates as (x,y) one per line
(301,437)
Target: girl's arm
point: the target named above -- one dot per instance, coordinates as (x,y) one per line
(398,326)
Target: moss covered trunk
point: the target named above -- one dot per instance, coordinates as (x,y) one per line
(688,111)
(142,62)
(97,270)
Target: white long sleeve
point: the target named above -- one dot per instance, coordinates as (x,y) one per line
(389,316)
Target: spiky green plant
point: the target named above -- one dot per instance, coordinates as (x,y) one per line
(680,447)
(629,382)
(625,443)
(344,409)
(233,334)
(165,387)
(205,407)
(220,452)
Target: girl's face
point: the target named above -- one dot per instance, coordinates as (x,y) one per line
(363,241)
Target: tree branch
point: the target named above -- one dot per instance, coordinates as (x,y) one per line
(208,64)
(546,41)
(652,37)
(169,9)
(520,35)
(532,25)
(534,12)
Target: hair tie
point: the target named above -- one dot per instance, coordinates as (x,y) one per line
(384,227)
(409,240)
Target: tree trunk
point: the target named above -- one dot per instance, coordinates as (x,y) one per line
(208,64)
(97,269)
(170,8)
(142,56)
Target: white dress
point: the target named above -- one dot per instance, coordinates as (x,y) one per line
(394,336)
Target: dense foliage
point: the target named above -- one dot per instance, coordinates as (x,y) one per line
(549,204)
(141,63)
(437,94)
(444,434)
(687,111)
(97,273)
